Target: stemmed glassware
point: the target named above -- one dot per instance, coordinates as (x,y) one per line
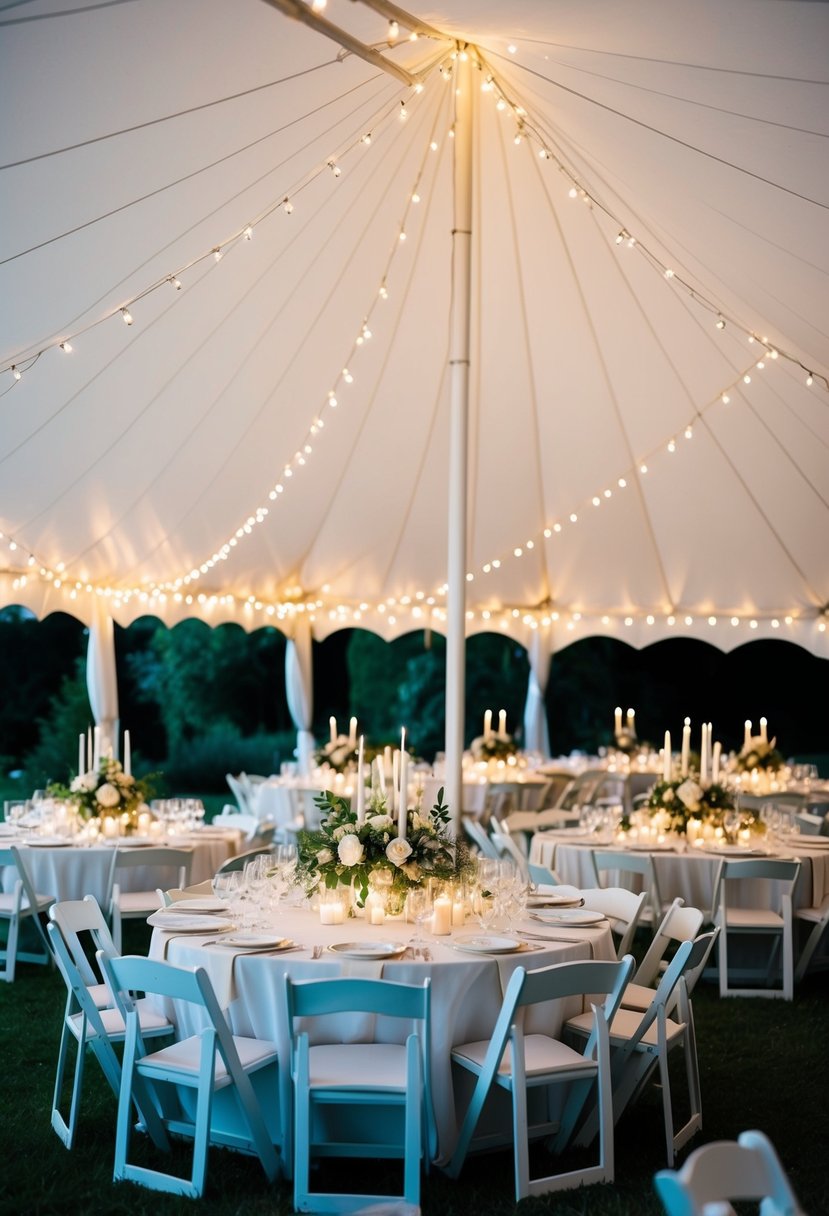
(419,906)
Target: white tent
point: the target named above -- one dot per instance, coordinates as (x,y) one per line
(269,434)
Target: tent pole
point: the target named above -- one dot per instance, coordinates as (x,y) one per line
(458,437)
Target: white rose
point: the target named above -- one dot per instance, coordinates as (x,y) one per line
(107,795)
(398,850)
(76,784)
(689,794)
(379,823)
(85,781)
(324,856)
(350,850)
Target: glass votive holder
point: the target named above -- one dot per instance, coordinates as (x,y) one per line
(332,906)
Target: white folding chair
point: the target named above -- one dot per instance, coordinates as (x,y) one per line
(508,850)
(723,1170)
(622,908)
(229,817)
(679,924)
(132,905)
(810,958)
(768,916)
(217,1065)
(520,1062)
(640,1043)
(93,1029)
(621,861)
(379,1075)
(542,876)
(479,837)
(20,907)
(238,791)
(84,928)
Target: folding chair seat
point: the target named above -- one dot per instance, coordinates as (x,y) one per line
(640,1043)
(199,890)
(623,862)
(768,916)
(392,1078)
(723,1170)
(622,908)
(18,907)
(132,905)
(94,1029)
(217,1066)
(679,924)
(518,1061)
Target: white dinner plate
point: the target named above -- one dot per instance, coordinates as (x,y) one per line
(207,903)
(180,923)
(805,842)
(48,842)
(254,941)
(734,850)
(568,916)
(368,949)
(554,901)
(485,943)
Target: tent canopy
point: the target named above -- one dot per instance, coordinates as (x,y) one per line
(269,434)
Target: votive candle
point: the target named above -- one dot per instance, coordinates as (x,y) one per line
(361,784)
(666,757)
(442,916)
(686,747)
(403,804)
(488,724)
(332,726)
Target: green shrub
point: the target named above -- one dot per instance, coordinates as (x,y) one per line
(202,764)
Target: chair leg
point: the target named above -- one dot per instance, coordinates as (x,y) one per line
(811,944)
(66,1130)
(11,951)
(413,1146)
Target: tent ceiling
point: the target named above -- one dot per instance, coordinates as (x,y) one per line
(141,137)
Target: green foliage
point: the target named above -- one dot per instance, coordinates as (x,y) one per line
(55,756)
(203,679)
(202,763)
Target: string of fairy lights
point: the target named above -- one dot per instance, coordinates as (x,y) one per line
(421,605)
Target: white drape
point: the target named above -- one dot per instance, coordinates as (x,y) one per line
(536,731)
(101,679)
(299,686)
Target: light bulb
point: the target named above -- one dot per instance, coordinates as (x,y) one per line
(669,274)
(720,322)
(66,347)
(725,398)
(810,379)
(287,205)
(335,168)
(367,139)
(127,315)
(318,5)
(174,281)
(394,30)
(217,254)
(248,233)
(415,197)
(404,113)
(16,372)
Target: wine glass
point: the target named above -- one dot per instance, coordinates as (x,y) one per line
(731,821)
(419,909)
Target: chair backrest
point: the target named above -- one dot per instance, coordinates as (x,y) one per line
(631,863)
(128,974)
(542,876)
(773,869)
(809,824)
(581,788)
(507,848)
(240,860)
(723,1170)
(238,791)
(162,857)
(12,856)
(621,907)
(479,836)
(81,998)
(688,958)
(81,921)
(679,924)
(247,824)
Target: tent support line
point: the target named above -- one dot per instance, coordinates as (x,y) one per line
(459,362)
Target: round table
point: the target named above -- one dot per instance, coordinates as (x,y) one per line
(72,871)
(466,989)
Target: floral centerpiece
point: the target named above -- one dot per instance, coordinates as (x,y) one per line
(492,747)
(759,753)
(339,754)
(675,803)
(344,852)
(107,790)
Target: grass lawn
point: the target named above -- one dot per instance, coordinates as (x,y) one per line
(764,1064)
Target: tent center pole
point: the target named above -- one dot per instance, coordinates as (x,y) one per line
(459,359)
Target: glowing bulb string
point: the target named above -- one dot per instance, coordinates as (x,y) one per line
(303,452)
(532,130)
(332,399)
(23,362)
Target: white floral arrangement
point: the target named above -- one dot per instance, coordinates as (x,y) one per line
(687,799)
(107,790)
(492,747)
(339,754)
(761,753)
(344,852)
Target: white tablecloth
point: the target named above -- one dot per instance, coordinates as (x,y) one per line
(72,871)
(689,874)
(466,989)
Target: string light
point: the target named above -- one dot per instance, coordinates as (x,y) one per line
(66,347)
(334,167)
(287,205)
(248,233)
(217,254)
(16,372)
(174,281)
(127,316)
(394,30)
